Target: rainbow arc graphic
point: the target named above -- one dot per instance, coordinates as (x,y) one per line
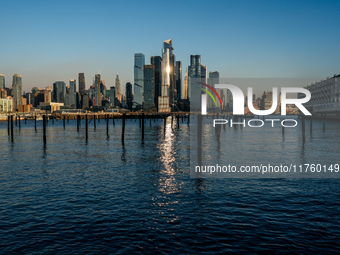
(209,93)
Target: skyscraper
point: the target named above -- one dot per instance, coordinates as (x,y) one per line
(194,77)
(186,92)
(2,81)
(149,86)
(129,95)
(113,95)
(59,92)
(70,98)
(139,78)
(118,90)
(212,81)
(167,91)
(179,79)
(156,61)
(81,81)
(17,91)
(97,95)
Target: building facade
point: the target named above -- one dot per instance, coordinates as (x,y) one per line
(81,81)
(149,87)
(6,105)
(17,91)
(59,92)
(2,81)
(325,97)
(156,61)
(139,78)
(129,95)
(179,79)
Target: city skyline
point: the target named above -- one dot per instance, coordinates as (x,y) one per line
(239,40)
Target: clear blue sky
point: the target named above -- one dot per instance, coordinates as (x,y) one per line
(46,41)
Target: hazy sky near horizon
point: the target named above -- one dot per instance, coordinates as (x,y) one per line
(48,41)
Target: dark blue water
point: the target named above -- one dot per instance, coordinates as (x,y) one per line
(98,197)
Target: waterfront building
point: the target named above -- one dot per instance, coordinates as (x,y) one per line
(97,95)
(59,92)
(129,95)
(186,92)
(325,97)
(212,80)
(85,101)
(17,91)
(194,76)
(139,78)
(6,105)
(70,97)
(3,93)
(50,107)
(118,90)
(156,61)
(113,95)
(2,81)
(167,73)
(149,85)
(81,81)
(179,79)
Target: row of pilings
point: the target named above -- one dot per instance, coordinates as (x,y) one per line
(142,118)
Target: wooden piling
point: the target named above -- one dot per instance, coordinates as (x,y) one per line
(16,120)
(35,122)
(44,128)
(142,126)
(86,128)
(12,133)
(311,126)
(283,130)
(8,121)
(123,127)
(94,122)
(19,123)
(303,128)
(107,124)
(113,120)
(64,121)
(177,120)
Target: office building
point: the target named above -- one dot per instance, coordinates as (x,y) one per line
(325,99)
(167,74)
(179,79)
(212,81)
(59,92)
(97,96)
(81,81)
(185,91)
(2,81)
(149,87)
(194,77)
(6,105)
(129,95)
(156,61)
(17,91)
(113,95)
(139,78)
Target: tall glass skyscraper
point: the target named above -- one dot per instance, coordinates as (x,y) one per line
(167,91)
(118,92)
(149,85)
(194,76)
(17,91)
(2,81)
(129,95)
(81,81)
(179,79)
(156,61)
(212,81)
(139,78)
(59,92)
(97,94)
